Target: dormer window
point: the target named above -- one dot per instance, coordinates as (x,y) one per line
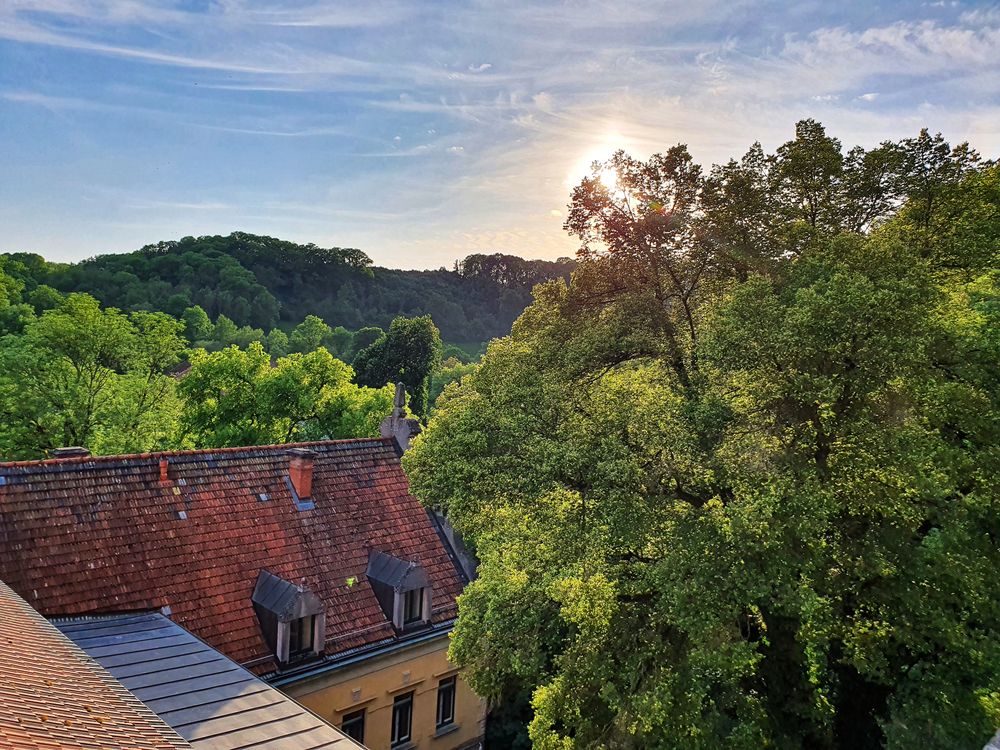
(413,606)
(300,637)
(292,618)
(402,589)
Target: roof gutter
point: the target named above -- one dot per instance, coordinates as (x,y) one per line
(331,664)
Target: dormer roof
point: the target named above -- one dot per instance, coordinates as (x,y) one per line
(284,599)
(400,575)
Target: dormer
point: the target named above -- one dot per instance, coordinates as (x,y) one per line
(292,618)
(402,588)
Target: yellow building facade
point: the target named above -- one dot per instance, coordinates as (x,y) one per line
(381,690)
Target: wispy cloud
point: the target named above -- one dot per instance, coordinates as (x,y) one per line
(422,131)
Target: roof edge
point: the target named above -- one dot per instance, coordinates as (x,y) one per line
(190,452)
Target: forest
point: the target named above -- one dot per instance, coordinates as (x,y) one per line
(266,283)
(737,483)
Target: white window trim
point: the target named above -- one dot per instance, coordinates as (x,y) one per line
(399,608)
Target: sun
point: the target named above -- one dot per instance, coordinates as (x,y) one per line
(597,152)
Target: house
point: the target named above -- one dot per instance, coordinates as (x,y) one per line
(53,696)
(310,565)
(208,699)
(137,681)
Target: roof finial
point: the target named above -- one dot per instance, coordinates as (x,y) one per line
(400,401)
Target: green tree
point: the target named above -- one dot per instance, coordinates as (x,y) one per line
(235,397)
(363,338)
(276,342)
(751,504)
(80,375)
(452,370)
(308,336)
(225,331)
(408,353)
(43,297)
(197,326)
(339,341)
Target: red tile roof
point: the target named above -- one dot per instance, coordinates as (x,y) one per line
(54,697)
(104,534)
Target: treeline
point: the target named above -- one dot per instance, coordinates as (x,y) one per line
(75,373)
(267,283)
(736,485)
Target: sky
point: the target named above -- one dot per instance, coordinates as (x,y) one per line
(423,131)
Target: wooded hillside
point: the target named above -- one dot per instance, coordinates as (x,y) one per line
(263,281)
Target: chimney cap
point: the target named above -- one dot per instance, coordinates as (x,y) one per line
(301,453)
(70,451)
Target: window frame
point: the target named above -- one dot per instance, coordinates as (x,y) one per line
(413,597)
(447,686)
(301,632)
(355,717)
(395,738)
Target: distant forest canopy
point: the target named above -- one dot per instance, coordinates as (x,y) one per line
(264,282)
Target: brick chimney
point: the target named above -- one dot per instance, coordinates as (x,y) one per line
(164,470)
(300,471)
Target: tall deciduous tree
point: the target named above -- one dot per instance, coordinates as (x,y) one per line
(80,375)
(236,397)
(767,518)
(309,335)
(408,353)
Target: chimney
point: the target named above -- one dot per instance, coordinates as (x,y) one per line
(300,471)
(164,470)
(73,451)
(398,427)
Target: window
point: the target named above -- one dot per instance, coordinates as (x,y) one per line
(413,606)
(300,636)
(446,702)
(353,726)
(402,719)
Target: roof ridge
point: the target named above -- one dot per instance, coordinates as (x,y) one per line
(188,452)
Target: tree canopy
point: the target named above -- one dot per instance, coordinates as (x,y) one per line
(237,397)
(736,485)
(408,353)
(264,282)
(80,375)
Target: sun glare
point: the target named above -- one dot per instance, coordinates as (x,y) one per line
(599,152)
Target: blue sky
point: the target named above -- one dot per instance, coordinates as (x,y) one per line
(423,131)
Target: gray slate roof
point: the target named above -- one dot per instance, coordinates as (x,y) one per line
(208,699)
(283,598)
(401,575)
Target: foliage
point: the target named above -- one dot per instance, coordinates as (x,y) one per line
(80,375)
(736,484)
(452,370)
(408,353)
(262,281)
(309,335)
(236,397)
(197,325)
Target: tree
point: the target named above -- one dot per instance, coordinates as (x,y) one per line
(197,326)
(43,297)
(309,335)
(224,331)
(276,342)
(363,338)
(339,341)
(408,353)
(452,370)
(764,518)
(235,397)
(80,375)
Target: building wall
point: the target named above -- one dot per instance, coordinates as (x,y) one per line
(373,685)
